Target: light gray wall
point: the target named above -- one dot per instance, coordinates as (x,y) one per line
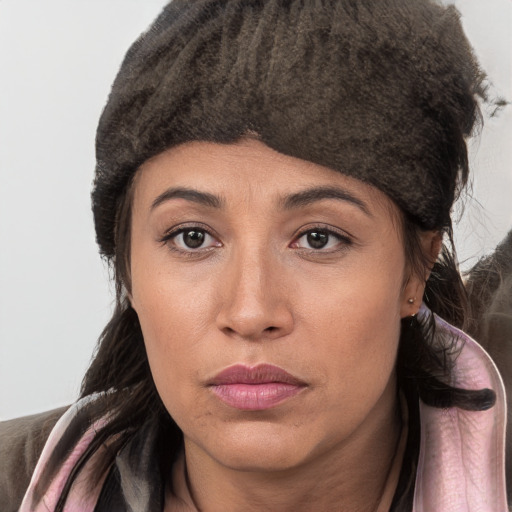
(488,216)
(57,61)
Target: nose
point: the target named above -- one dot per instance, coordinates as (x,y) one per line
(256,303)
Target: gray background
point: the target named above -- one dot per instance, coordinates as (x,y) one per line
(57,61)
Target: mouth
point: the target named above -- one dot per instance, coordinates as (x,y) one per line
(255,388)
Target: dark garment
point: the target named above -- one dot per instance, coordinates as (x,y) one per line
(489,286)
(135,463)
(21,443)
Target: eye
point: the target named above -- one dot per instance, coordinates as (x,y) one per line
(191,239)
(318,239)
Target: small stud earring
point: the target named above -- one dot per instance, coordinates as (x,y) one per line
(410,301)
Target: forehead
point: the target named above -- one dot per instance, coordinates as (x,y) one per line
(245,171)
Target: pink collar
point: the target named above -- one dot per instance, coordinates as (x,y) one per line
(461,466)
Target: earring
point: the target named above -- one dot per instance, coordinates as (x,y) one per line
(411,301)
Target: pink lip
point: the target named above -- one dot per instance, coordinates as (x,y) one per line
(255,389)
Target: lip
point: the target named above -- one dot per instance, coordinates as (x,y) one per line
(255,388)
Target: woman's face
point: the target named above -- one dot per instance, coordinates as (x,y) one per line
(269,292)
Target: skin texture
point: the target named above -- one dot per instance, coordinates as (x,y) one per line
(257,292)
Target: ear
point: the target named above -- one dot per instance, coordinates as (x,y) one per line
(412,295)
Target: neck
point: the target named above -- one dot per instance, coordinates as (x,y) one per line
(351,477)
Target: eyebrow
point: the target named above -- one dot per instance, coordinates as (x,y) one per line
(290,202)
(312,195)
(203,198)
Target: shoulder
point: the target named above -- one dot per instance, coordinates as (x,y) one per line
(489,286)
(21,443)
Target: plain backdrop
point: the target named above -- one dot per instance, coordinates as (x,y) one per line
(57,61)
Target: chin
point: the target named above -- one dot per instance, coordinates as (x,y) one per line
(261,459)
(260,447)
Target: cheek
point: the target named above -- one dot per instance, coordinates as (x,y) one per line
(357,326)
(173,316)
(173,355)
(360,337)
(168,301)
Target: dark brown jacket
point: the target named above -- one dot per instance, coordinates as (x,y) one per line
(21,443)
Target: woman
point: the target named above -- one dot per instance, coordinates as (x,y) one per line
(274,180)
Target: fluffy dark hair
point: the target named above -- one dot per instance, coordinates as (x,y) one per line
(382,90)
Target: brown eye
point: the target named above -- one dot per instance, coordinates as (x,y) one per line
(317,239)
(193,238)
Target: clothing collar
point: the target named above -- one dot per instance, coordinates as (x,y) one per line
(461,465)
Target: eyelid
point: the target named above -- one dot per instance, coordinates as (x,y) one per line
(344,237)
(178,228)
(175,231)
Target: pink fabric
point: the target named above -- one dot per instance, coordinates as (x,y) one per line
(462,453)
(80,500)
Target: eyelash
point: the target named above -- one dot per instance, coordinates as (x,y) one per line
(175,232)
(343,238)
